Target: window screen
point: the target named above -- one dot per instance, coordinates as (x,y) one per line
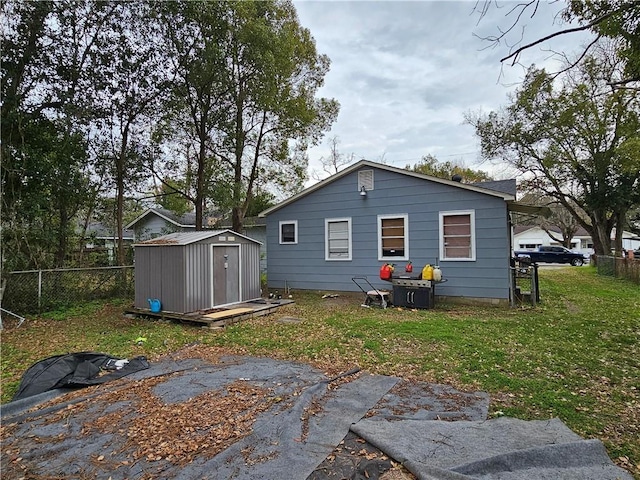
(338,238)
(457,236)
(393,237)
(289,232)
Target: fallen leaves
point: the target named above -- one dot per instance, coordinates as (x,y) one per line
(177,432)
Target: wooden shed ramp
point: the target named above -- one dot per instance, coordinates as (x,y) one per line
(218,317)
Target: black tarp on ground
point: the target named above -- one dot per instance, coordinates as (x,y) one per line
(74,370)
(304,418)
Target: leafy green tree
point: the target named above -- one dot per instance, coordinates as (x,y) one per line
(246,78)
(576,144)
(48,48)
(194,34)
(430,165)
(130,85)
(618,20)
(170,195)
(260,202)
(275,72)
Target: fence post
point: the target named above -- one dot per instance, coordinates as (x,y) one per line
(39,289)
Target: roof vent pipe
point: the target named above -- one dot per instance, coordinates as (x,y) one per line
(457,178)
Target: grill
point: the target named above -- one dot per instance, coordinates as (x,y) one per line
(413,292)
(408,282)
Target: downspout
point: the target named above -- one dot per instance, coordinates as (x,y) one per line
(512,286)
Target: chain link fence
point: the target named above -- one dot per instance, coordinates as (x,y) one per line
(35,291)
(628,268)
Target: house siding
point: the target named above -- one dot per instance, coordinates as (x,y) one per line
(303,265)
(259,233)
(152,226)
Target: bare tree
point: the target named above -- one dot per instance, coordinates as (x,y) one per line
(334,162)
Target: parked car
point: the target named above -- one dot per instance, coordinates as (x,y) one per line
(552,254)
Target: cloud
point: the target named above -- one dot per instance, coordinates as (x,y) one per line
(406,72)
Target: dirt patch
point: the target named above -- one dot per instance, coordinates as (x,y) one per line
(354,457)
(340,299)
(572,307)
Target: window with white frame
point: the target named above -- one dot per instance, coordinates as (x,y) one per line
(393,237)
(289,232)
(457,235)
(337,238)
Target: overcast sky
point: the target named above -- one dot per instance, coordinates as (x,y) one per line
(406,72)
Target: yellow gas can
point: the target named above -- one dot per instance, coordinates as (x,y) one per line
(427,272)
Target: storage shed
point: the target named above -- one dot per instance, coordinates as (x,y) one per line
(192,271)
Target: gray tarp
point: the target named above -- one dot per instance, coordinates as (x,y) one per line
(500,449)
(403,419)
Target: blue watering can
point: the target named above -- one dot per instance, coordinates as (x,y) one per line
(154,304)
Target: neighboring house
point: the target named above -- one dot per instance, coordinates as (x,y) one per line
(255,228)
(528,237)
(155,222)
(102,238)
(368,214)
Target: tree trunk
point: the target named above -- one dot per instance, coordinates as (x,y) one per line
(120,173)
(202,158)
(237,215)
(601,236)
(61,251)
(620,220)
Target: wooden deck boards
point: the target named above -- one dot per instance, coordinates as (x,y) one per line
(217,317)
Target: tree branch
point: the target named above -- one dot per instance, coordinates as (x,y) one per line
(581,28)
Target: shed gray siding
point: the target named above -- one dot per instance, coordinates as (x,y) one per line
(303,265)
(250,261)
(177,275)
(181,276)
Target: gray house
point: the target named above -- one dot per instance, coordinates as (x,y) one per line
(101,238)
(154,222)
(191,271)
(369,214)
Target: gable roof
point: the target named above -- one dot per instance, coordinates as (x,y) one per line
(507,184)
(518,229)
(102,232)
(188,220)
(581,232)
(186,238)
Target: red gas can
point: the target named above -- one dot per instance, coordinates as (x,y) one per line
(386,271)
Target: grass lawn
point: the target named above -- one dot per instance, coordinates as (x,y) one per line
(575,356)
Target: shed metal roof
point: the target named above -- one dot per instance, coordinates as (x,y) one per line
(186,238)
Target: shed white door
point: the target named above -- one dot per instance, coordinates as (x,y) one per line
(226,274)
